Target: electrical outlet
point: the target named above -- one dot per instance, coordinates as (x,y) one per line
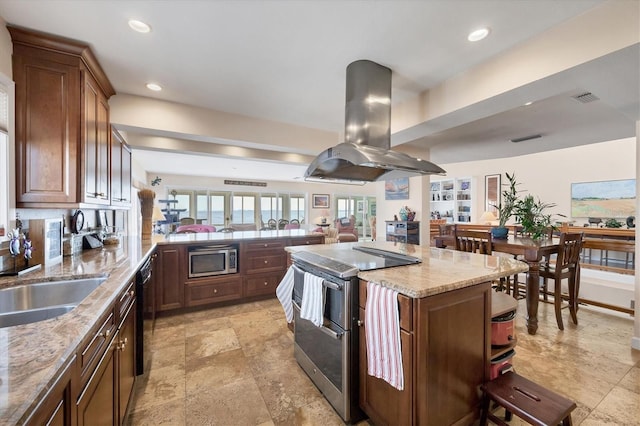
(633,304)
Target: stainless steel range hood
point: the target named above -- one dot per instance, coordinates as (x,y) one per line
(366,154)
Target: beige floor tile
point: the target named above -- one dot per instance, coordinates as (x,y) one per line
(206,365)
(237,403)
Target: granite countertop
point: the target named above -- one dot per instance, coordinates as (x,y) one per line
(236,236)
(441,270)
(32,355)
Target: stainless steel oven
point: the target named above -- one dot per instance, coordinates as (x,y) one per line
(209,260)
(329,354)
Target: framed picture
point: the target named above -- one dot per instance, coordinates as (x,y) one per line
(396,189)
(491,193)
(320,201)
(604,199)
(360,206)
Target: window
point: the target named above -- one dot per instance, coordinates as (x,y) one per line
(244,209)
(202,208)
(270,207)
(218,212)
(296,207)
(345,207)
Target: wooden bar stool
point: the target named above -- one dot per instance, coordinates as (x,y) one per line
(527,400)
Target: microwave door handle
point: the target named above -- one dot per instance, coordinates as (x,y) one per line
(328,284)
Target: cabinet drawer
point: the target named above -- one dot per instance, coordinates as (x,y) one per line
(405,303)
(96,345)
(264,245)
(309,240)
(215,290)
(265,284)
(266,263)
(125,300)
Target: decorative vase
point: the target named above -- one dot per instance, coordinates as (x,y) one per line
(403,215)
(411,216)
(500,232)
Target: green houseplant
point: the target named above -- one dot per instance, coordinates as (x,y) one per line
(506,207)
(531,214)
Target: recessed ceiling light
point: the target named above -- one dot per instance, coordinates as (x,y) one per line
(139,26)
(154,87)
(528,103)
(478,34)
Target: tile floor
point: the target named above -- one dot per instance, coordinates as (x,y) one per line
(234,366)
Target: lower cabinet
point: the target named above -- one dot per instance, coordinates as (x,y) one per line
(105,397)
(171,273)
(57,407)
(445,342)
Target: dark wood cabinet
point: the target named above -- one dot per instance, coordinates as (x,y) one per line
(264,263)
(126,357)
(446,356)
(97,403)
(403,232)
(170,278)
(62,119)
(57,407)
(120,170)
(203,291)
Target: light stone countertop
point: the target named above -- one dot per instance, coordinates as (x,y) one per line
(32,356)
(441,270)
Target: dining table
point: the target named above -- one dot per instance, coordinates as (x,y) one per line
(528,250)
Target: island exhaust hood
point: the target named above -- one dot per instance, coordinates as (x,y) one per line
(366,154)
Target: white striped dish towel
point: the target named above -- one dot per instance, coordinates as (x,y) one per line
(382,332)
(312,308)
(284,292)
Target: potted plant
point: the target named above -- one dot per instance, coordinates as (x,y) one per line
(530,213)
(506,207)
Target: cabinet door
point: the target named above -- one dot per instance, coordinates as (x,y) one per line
(56,408)
(47,125)
(97,403)
(383,403)
(126,361)
(169,280)
(120,170)
(96,143)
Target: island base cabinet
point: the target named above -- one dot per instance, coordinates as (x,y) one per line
(384,404)
(445,342)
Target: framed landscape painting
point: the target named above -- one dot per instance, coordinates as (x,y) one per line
(604,199)
(320,201)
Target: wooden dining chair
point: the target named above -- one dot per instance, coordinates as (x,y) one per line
(473,241)
(566,266)
(515,286)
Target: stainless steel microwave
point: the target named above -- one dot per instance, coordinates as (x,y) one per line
(206,261)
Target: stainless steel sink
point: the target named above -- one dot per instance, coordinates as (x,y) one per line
(29,303)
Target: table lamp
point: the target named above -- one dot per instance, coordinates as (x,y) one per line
(487,218)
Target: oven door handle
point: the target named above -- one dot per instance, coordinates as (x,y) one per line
(331,333)
(328,284)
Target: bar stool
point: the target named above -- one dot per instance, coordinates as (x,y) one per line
(525,399)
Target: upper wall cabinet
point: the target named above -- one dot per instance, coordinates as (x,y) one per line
(120,171)
(62,122)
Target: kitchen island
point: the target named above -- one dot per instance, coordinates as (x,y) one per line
(45,358)
(445,315)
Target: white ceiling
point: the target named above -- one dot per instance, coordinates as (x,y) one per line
(285,61)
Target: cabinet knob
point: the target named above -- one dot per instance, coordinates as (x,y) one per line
(266,283)
(131,293)
(123,344)
(266,261)
(266,245)
(215,290)
(106,334)
(360,323)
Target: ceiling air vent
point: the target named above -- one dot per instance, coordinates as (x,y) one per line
(525,138)
(585,98)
